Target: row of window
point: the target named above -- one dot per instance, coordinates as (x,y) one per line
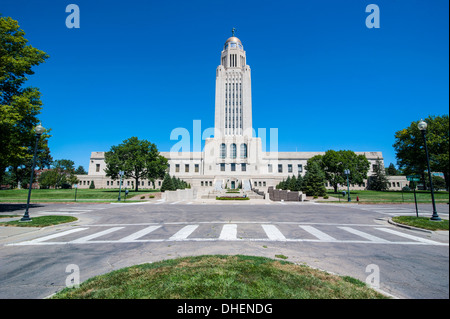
(233,150)
(290,168)
(186,168)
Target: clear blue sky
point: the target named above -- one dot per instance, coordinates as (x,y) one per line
(319,75)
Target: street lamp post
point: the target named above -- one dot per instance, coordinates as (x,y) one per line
(423,128)
(347,172)
(120,183)
(39,130)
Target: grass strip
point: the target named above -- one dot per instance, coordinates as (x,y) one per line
(422,222)
(41,221)
(220,276)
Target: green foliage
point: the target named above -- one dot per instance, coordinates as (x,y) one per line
(334,163)
(410,150)
(314,180)
(137,159)
(167,184)
(19,105)
(378,181)
(62,175)
(92,186)
(391,170)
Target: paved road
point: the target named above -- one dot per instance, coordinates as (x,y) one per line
(353,240)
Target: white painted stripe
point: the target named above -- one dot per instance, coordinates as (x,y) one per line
(229,232)
(397,233)
(140,233)
(86,238)
(273,232)
(319,234)
(64,233)
(59,213)
(364,235)
(184,232)
(176,202)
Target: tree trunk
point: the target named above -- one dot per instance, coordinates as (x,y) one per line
(136,187)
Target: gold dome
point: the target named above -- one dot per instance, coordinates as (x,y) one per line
(233,39)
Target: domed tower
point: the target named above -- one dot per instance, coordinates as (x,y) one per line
(233,116)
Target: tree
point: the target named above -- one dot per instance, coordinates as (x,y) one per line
(137,159)
(62,175)
(378,181)
(167,184)
(19,106)
(410,149)
(292,184)
(313,183)
(334,163)
(80,170)
(391,170)
(299,183)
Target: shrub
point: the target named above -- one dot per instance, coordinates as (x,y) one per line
(92,186)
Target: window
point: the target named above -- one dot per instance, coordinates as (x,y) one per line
(186,168)
(243,167)
(269,168)
(243,150)
(280,168)
(177,168)
(233,150)
(289,168)
(222,167)
(196,167)
(223,150)
(97,167)
(201,183)
(233,167)
(300,168)
(107,183)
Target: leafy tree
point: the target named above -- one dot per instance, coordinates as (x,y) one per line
(391,170)
(299,183)
(334,163)
(62,175)
(19,105)
(313,183)
(167,184)
(80,170)
(137,159)
(410,149)
(378,181)
(292,183)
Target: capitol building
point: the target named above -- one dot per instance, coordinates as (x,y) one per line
(234,157)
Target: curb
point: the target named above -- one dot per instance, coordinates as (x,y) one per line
(390,221)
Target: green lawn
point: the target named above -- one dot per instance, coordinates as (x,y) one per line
(218,276)
(392,196)
(42,221)
(42,195)
(422,222)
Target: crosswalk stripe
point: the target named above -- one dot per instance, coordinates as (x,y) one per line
(423,240)
(319,234)
(229,232)
(64,233)
(364,235)
(273,232)
(139,234)
(89,237)
(184,232)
